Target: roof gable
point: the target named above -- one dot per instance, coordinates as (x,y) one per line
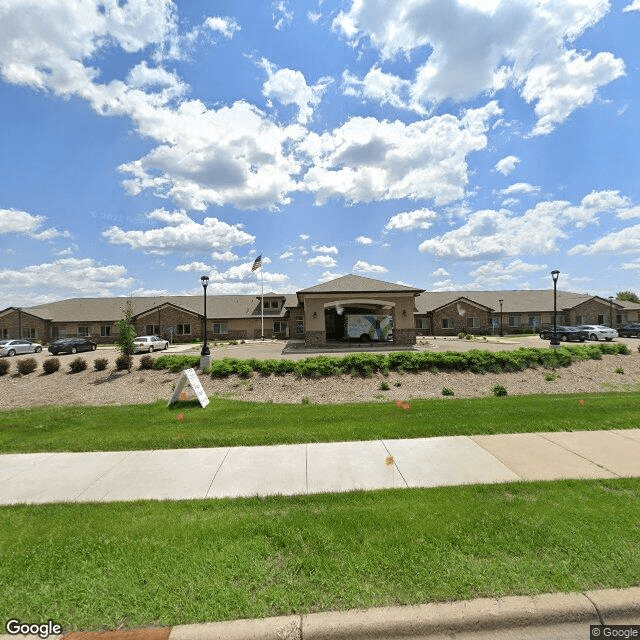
(354,284)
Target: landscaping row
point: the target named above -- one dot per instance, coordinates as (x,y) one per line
(476,361)
(123,362)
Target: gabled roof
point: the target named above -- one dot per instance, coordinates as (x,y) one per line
(463,299)
(355,284)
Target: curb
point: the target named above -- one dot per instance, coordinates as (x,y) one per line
(607,606)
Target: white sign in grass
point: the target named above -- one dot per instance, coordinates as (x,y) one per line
(189,376)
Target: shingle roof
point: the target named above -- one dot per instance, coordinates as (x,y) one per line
(353,283)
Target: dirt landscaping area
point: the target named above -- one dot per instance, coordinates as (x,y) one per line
(142,386)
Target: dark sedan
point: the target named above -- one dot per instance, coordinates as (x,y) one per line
(71,345)
(629,331)
(565,334)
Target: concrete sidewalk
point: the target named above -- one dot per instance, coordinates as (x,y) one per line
(185,474)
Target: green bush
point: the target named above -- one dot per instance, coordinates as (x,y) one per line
(619,370)
(26,366)
(124,362)
(77,365)
(176,363)
(447,391)
(498,390)
(100,364)
(146,362)
(51,365)
(384,386)
(5,365)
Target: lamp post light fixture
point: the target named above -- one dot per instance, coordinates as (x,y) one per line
(501,301)
(554,342)
(611,311)
(205,354)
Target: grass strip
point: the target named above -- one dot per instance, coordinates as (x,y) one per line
(97,566)
(235,423)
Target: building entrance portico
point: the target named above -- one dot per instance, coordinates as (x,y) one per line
(326,305)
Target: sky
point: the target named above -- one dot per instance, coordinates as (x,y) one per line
(440,144)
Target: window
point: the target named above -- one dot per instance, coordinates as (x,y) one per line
(582,320)
(603,319)
(184,329)
(299,326)
(28,333)
(152,329)
(447,323)
(105,330)
(422,323)
(58,332)
(270,304)
(622,318)
(473,322)
(534,321)
(515,321)
(5,334)
(220,328)
(279,327)
(83,332)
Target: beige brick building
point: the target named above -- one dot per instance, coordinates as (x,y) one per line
(316,315)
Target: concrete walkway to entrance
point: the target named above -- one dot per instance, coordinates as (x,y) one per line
(185,474)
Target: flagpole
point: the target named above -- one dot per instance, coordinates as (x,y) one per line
(262,302)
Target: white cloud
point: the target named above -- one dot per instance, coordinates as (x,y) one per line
(226,256)
(623,241)
(634,6)
(40,283)
(185,236)
(468,49)
(499,274)
(286,255)
(304,236)
(364,267)
(520,187)
(14,221)
(325,249)
(322,261)
(364,240)
(507,165)
(282,15)
(440,273)
(194,266)
(382,87)
(536,232)
(225,26)
(288,86)
(313,16)
(408,220)
(366,159)
(329,275)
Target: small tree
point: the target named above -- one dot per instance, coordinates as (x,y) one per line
(126,333)
(629,296)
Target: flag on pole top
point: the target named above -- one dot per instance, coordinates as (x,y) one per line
(257,263)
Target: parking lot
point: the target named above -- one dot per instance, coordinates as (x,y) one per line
(295,350)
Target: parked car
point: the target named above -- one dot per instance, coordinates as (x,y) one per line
(565,334)
(71,345)
(597,331)
(150,343)
(629,331)
(13,347)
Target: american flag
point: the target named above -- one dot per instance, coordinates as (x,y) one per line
(257,263)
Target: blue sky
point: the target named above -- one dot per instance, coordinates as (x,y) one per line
(443,144)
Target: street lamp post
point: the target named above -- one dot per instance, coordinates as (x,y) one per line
(554,342)
(205,354)
(611,311)
(501,301)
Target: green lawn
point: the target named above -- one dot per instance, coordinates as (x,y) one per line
(95,566)
(233,423)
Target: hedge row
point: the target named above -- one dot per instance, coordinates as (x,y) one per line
(475,360)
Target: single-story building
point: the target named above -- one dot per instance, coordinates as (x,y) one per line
(315,315)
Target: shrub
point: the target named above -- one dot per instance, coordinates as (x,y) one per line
(306,400)
(77,365)
(447,391)
(498,390)
(124,361)
(618,370)
(28,365)
(462,335)
(146,362)
(176,363)
(51,365)
(551,376)
(100,364)
(4,367)
(384,386)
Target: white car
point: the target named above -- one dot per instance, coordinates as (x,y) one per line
(597,331)
(150,343)
(12,347)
